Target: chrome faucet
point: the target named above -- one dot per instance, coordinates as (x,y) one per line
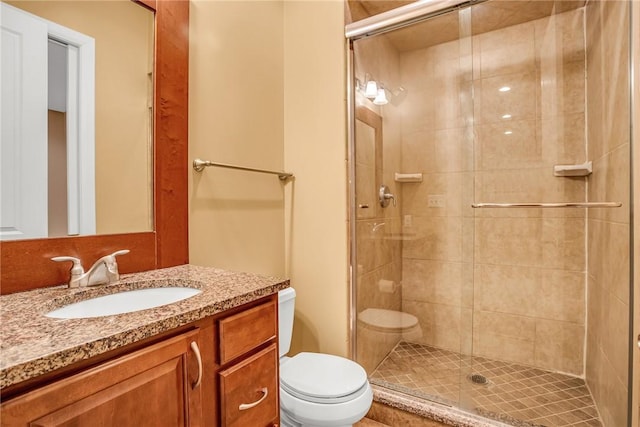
(103,271)
(384,195)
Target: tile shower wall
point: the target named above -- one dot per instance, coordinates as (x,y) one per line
(379,250)
(608,229)
(437,265)
(520,274)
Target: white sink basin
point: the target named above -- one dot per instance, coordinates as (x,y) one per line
(123,302)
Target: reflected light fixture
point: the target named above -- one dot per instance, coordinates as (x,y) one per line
(381,97)
(504,89)
(376,92)
(398,95)
(508,132)
(506,116)
(371,89)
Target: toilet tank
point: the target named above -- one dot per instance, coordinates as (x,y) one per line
(286,307)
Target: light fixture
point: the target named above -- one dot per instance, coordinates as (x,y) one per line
(504,89)
(371,89)
(377,94)
(508,132)
(381,98)
(506,116)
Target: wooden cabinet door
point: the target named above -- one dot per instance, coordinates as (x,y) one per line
(156,386)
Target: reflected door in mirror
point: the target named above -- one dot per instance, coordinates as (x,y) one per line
(24,126)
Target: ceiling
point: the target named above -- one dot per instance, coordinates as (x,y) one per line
(486,16)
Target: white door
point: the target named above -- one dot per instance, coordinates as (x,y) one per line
(23,148)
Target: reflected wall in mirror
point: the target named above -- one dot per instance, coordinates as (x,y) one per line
(105,186)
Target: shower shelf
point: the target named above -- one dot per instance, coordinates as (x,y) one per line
(408,177)
(584,169)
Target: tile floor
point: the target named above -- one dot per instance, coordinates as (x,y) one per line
(366,422)
(514,394)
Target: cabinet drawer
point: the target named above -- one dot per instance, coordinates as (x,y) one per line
(246,330)
(249,391)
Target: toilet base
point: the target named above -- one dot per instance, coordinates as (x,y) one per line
(295,412)
(285,421)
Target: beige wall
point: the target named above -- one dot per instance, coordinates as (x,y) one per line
(315,150)
(267,90)
(236,116)
(57,174)
(123,40)
(608,229)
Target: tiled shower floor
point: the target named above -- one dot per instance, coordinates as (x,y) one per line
(514,394)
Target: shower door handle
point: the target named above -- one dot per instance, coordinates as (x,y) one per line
(385,196)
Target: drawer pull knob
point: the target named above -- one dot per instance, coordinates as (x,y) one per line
(245,406)
(196,351)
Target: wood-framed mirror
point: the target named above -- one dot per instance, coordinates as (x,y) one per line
(26,264)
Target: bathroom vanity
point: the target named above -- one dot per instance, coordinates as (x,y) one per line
(208,360)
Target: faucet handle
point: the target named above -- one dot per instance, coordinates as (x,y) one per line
(105,269)
(112,265)
(76,268)
(384,195)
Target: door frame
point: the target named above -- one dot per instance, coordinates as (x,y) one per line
(81,198)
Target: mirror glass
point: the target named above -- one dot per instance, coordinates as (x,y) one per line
(368,160)
(366,178)
(77,118)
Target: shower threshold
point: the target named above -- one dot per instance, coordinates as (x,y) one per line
(514,394)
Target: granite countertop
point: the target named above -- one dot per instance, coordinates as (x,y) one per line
(32,344)
(440,413)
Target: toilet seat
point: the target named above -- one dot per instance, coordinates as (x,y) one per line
(387,320)
(323,378)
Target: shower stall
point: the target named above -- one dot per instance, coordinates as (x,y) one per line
(490,208)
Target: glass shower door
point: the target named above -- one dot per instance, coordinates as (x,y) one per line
(414,224)
(519,314)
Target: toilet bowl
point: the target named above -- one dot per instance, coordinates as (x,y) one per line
(317,389)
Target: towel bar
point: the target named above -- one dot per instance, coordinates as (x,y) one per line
(548,205)
(199,165)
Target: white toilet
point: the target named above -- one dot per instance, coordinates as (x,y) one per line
(317,389)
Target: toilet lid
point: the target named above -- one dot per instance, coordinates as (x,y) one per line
(320,377)
(387,319)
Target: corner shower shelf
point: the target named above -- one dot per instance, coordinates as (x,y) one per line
(408,177)
(584,169)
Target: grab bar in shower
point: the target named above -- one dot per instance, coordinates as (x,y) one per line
(548,205)
(199,165)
